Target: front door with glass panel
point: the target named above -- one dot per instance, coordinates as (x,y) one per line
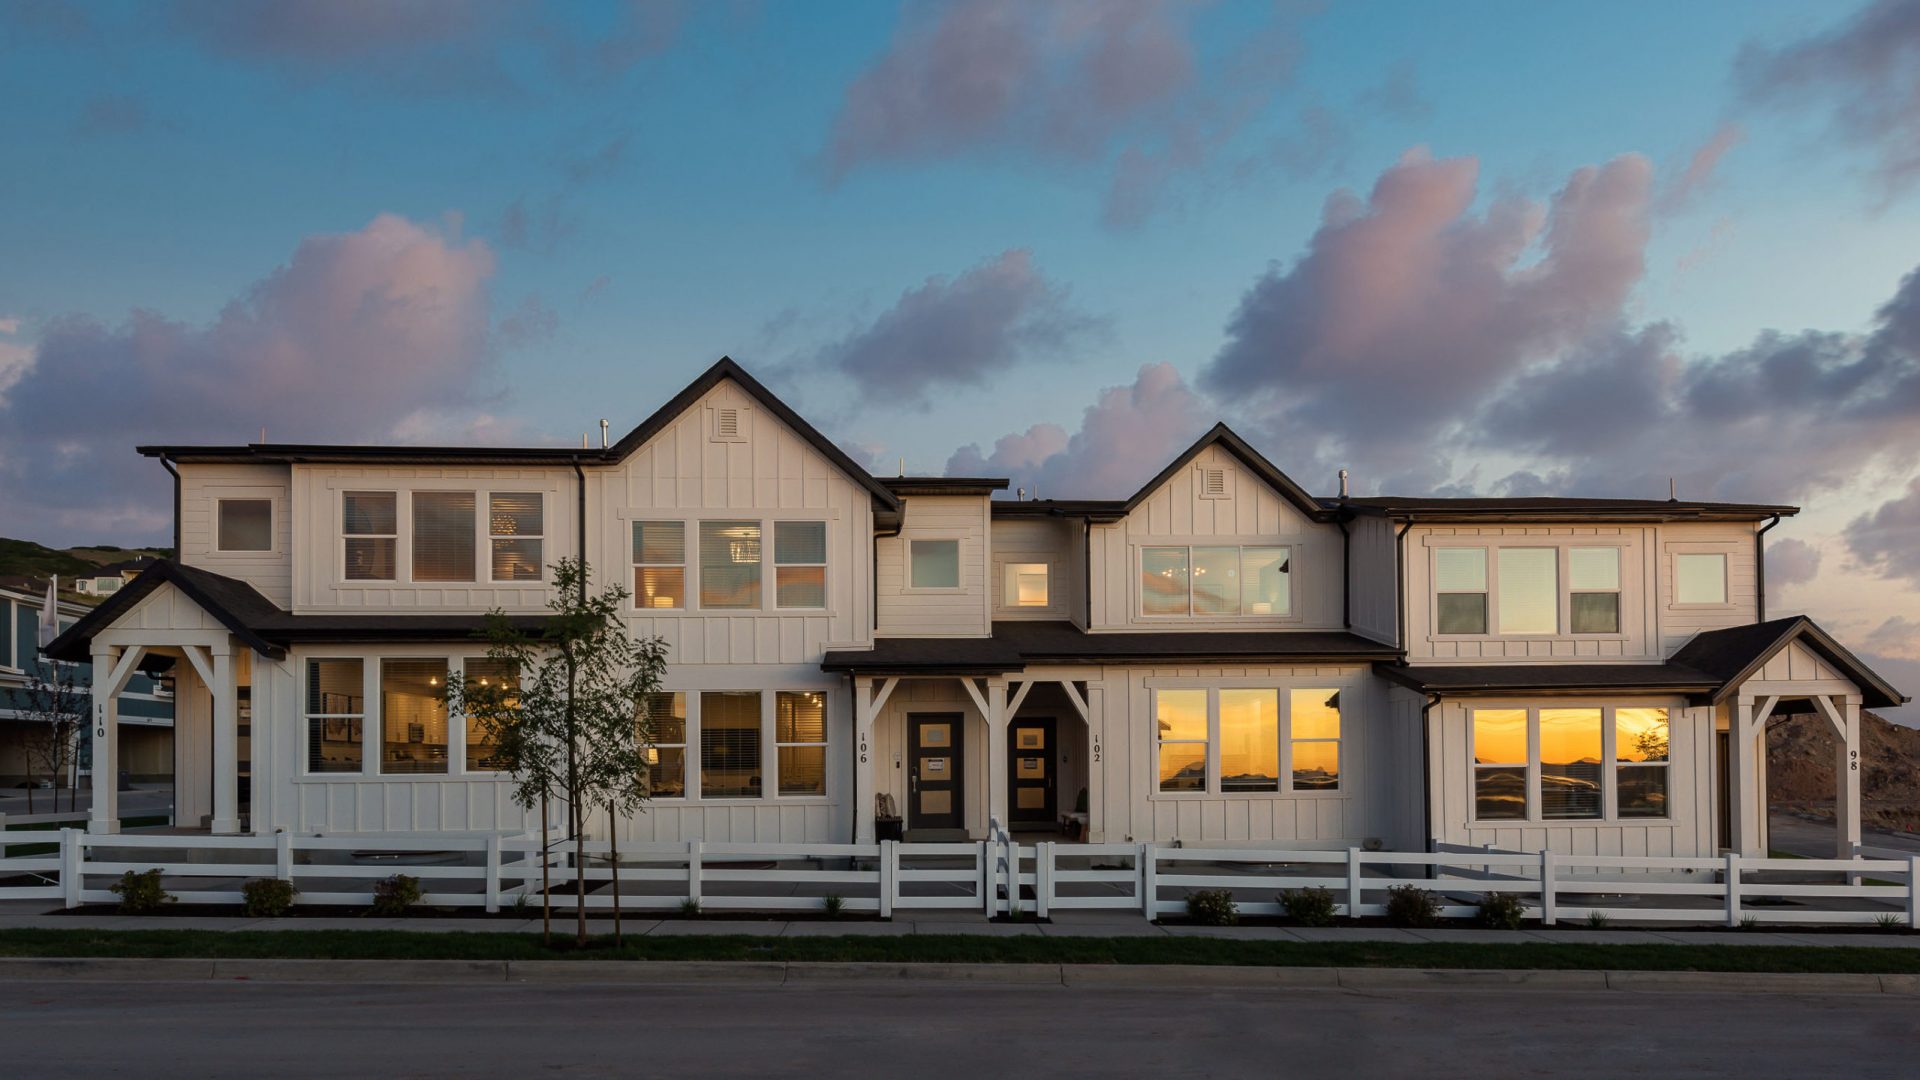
(933,771)
(1030,769)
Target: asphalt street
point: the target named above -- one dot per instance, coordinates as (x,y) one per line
(930,1029)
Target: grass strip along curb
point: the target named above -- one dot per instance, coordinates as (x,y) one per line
(956,949)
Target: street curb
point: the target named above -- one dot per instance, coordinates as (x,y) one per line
(773,973)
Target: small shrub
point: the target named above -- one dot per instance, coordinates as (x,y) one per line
(1312,906)
(523,906)
(689,908)
(267,898)
(1501,911)
(1749,922)
(1890,922)
(394,895)
(833,905)
(1597,920)
(141,894)
(1411,906)
(1212,907)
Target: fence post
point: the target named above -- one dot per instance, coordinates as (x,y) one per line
(1733,888)
(1913,892)
(693,871)
(1042,878)
(889,876)
(283,855)
(493,872)
(1149,881)
(72,877)
(1547,917)
(1353,883)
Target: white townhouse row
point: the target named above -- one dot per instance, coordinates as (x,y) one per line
(1217,658)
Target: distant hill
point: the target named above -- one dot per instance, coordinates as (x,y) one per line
(1800,754)
(24,558)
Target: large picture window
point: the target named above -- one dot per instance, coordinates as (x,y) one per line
(413,716)
(1583,763)
(1529,590)
(660,564)
(730,745)
(1253,739)
(729,564)
(1216,582)
(370,535)
(336,715)
(443,536)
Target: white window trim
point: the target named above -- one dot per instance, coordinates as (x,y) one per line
(686,569)
(825,744)
(1284,688)
(1618,592)
(1003,562)
(486,528)
(771,529)
(1563,571)
(1200,471)
(1291,547)
(403,492)
(1725,551)
(1610,770)
(272,549)
(481,528)
(959,563)
(689,751)
(341,536)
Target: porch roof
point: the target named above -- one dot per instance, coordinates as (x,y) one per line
(1017,643)
(261,624)
(1736,653)
(1484,679)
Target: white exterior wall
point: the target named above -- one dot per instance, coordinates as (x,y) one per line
(201,489)
(1687,831)
(1373,578)
(961,612)
(1250,513)
(1054,541)
(1679,622)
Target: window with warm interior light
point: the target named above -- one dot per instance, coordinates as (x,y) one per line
(413,716)
(660,564)
(516,530)
(370,535)
(729,564)
(1216,581)
(1024,585)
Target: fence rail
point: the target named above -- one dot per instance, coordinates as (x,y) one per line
(996,877)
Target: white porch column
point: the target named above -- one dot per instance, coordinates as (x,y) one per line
(105,814)
(1747,775)
(863,786)
(226,741)
(1843,712)
(997,750)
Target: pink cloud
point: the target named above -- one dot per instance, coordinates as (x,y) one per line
(1792,562)
(1701,167)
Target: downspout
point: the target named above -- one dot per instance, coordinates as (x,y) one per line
(1400,572)
(1760,568)
(167,464)
(580,525)
(1086,572)
(1426,770)
(1346,573)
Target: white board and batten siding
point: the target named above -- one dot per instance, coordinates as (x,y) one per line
(1373,578)
(1181,512)
(202,487)
(1054,542)
(905,611)
(933,697)
(1687,831)
(1679,622)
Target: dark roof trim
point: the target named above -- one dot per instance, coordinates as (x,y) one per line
(1576,679)
(1016,644)
(1555,509)
(76,643)
(944,485)
(1739,653)
(1223,436)
(726,368)
(1094,510)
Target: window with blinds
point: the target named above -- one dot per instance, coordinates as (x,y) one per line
(800,738)
(370,533)
(516,530)
(663,733)
(443,536)
(730,744)
(336,711)
(800,564)
(729,564)
(660,564)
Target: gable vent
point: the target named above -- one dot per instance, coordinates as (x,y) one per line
(726,424)
(1213,483)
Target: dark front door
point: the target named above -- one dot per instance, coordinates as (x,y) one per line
(1030,767)
(933,771)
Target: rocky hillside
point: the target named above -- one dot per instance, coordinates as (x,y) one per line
(1800,770)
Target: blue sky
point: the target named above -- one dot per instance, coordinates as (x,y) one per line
(935,225)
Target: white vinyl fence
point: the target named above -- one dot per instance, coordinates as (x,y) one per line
(997,877)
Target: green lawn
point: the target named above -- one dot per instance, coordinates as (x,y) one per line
(401,944)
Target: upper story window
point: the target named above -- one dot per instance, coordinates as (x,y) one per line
(729,564)
(933,564)
(516,529)
(660,564)
(1216,582)
(800,564)
(443,536)
(245,525)
(370,530)
(1700,578)
(1523,593)
(1025,585)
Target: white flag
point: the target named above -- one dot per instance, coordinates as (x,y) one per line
(50,614)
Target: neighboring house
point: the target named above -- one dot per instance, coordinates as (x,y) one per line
(1217,658)
(107,580)
(145,712)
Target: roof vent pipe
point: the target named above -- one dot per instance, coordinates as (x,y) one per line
(1673,489)
(603,433)
(1343,483)
(1020,494)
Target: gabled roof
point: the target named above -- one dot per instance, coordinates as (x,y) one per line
(1222,436)
(1737,653)
(1555,509)
(726,368)
(262,625)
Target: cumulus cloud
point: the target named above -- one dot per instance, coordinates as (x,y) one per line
(1897,636)
(1126,436)
(1887,540)
(357,332)
(957,331)
(1792,562)
(1865,73)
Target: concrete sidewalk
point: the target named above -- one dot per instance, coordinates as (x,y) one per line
(1079,924)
